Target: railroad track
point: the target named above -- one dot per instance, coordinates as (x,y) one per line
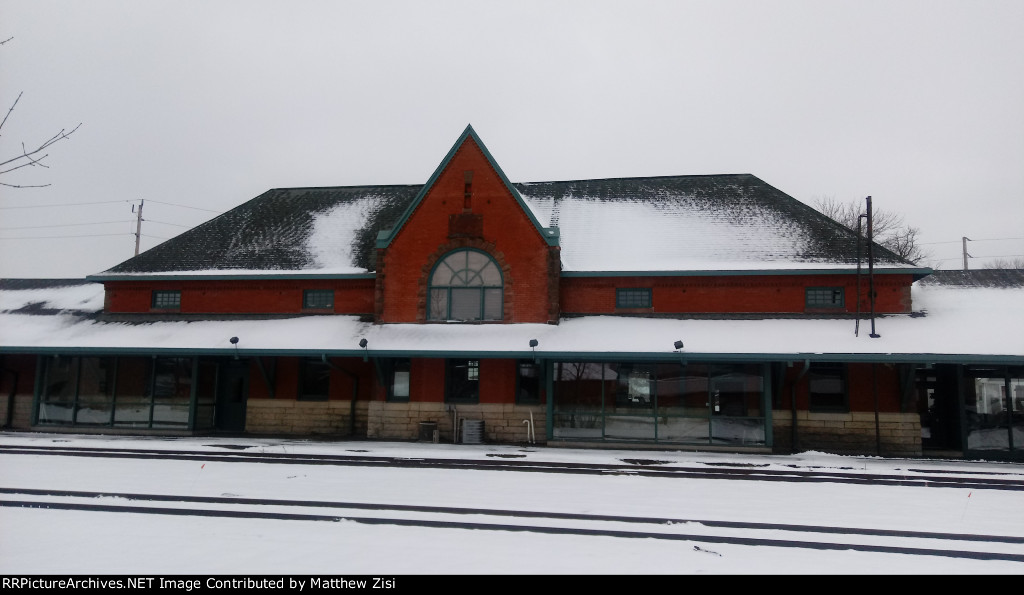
(921,477)
(704,533)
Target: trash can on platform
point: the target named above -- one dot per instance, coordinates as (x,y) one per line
(428,431)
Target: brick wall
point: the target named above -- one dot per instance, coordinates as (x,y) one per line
(222,296)
(506,234)
(748,293)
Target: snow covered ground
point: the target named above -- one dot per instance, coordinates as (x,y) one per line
(591,512)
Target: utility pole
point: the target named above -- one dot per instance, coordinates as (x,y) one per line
(138,224)
(966,255)
(871,270)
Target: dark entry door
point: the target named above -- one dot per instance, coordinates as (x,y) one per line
(939,406)
(232,391)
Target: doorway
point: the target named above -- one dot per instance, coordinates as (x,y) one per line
(938,403)
(232,393)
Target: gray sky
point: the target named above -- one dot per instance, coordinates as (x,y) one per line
(203,105)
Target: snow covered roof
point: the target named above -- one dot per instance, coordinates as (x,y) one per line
(660,224)
(953,323)
(978,278)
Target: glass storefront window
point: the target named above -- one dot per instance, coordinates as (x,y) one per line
(697,403)
(57,401)
(132,401)
(987,410)
(206,392)
(172,391)
(95,401)
(125,392)
(578,401)
(1017,413)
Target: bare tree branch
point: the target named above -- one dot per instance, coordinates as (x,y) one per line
(26,154)
(29,157)
(888,228)
(1007,263)
(24,185)
(16,100)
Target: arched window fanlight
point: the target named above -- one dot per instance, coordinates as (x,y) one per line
(465,285)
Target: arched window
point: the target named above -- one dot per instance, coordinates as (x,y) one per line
(465,285)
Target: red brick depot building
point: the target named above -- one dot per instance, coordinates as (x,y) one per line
(681,311)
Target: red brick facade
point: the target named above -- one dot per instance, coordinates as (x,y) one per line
(732,294)
(440,223)
(225,296)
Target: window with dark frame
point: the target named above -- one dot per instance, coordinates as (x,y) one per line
(166,300)
(528,379)
(318,299)
(824,297)
(827,382)
(633,297)
(116,391)
(314,379)
(462,381)
(466,285)
(399,372)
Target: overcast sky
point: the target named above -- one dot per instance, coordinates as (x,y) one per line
(203,105)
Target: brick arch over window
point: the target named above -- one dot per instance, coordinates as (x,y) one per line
(457,244)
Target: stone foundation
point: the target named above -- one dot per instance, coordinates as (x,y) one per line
(21,420)
(849,433)
(503,423)
(283,416)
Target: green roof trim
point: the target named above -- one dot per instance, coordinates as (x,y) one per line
(660,356)
(918,273)
(226,276)
(550,235)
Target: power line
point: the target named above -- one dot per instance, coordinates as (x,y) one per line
(978,240)
(165,223)
(65,225)
(98,235)
(184,206)
(69,204)
(942,260)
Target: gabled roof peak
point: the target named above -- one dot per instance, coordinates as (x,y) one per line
(384,238)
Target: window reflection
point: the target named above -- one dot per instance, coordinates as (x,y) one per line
(696,403)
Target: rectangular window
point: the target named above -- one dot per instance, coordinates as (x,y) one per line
(398,382)
(633,298)
(827,383)
(824,297)
(528,382)
(318,299)
(314,379)
(463,381)
(166,300)
(171,392)
(125,392)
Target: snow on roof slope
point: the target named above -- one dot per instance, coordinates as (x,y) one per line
(956,320)
(41,294)
(673,223)
(664,238)
(332,238)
